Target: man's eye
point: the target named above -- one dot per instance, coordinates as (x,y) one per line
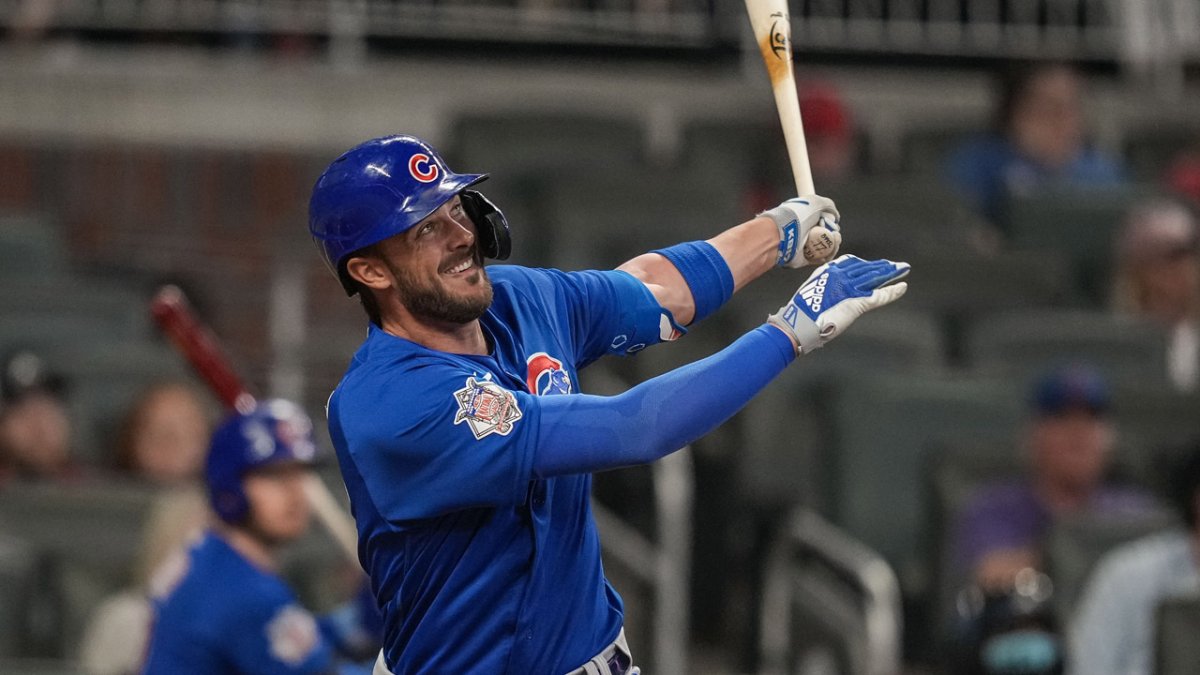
(426,228)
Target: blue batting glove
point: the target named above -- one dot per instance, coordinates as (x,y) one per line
(835,295)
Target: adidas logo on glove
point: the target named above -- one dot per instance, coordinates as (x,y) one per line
(814,294)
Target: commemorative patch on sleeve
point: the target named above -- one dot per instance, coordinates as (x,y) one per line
(487,408)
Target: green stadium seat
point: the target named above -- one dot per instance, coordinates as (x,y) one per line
(1074,546)
(87,538)
(18,570)
(542,144)
(881,431)
(604,218)
(1079,224)
(1023,344)
(965,285)
(1149,150)
(924,149)
(1176,649)
(898,218)
(30,248)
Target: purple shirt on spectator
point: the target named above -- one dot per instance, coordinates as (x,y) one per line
(1011,515)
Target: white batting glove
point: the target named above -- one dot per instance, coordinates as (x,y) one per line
(836,294)
(809,233)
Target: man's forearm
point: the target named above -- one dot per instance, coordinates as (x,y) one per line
(585,434)
(750,249)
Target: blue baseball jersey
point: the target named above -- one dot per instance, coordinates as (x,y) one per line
(478,565)
(215,612)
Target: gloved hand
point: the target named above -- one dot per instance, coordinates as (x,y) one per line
(835,295)
(809,233)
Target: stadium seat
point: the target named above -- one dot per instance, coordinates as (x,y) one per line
(18,562)
(1149,150)
(924,148)
(781,432)
(1176,649)
(1155,423)
(898,218)
(748,151)
(965,284)
(881,430)
(87,538)
(1075,545)
(67,310)
(957,469)
(30,248)
(604,218)
(1079,224)
(39,667)
(1022,344)
(542,144)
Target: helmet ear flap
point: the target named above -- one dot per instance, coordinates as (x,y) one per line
(491,227)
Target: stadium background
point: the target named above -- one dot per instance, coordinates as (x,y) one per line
(176,141)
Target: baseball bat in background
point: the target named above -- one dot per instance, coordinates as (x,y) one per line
(175,318)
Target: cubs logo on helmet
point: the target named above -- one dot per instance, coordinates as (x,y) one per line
(545,375)
(423,168)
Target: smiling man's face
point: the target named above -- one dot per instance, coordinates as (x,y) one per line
(437,268)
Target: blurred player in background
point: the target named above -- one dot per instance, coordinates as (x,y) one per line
(35,429)
(222,607)
(1039,141)
(1069,442)
(1158,278)
(463,439)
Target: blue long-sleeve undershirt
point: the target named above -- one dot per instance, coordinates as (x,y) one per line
(585,433)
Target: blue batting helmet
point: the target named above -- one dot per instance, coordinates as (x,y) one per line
(272,432)
(376,190)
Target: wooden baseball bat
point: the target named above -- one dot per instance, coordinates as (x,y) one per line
(175,318)
(773,32)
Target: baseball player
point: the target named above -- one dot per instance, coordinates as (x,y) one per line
(465,444)
(221,607)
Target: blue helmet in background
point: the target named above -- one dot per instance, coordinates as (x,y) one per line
(384,187)
(272,432)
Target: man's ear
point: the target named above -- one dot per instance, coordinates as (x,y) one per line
(369,271)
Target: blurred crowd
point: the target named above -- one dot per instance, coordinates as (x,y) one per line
(1008,616)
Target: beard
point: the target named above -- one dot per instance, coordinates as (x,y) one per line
(434,302)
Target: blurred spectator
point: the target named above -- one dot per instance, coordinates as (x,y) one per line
(164,436)
(1069,443)
(1183,175)
(35,431)
(828,132)
(1113,629)
(114,640)
(829,137)
(1038,141)
(1158,277)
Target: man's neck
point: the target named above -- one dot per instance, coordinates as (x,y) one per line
(456,338)
(252,548)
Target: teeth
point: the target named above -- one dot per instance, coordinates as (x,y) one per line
(461,267)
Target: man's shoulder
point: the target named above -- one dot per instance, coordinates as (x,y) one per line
(1165,556)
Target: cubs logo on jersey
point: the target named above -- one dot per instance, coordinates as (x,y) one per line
(545,375)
